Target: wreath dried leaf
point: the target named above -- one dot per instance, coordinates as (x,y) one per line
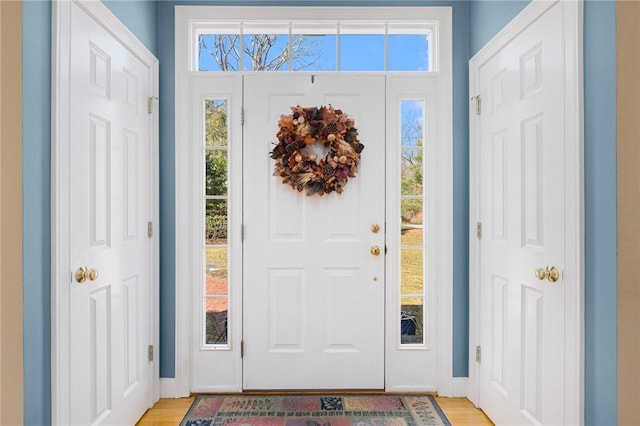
(306,127)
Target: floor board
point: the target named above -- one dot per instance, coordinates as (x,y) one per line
(169,412)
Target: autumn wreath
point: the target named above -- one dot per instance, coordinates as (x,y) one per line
(301,133)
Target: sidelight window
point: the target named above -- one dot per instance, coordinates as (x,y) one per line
(412,212)
(215,202)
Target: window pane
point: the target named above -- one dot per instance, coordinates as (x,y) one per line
(411,261)
(411,213)
(362,52)
(215,163)
(411,171)
(216,309)
(313,46)
(216,272)
(411,321)
(219,52)
(266,52)
(314,52)
(215,222)
(408,52)
(412,122)
(215,116)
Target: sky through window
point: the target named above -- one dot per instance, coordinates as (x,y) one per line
(304,51)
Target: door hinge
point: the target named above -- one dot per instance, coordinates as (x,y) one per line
(479,230)
(150,353)
(478,102)
(242,349)
(478,354)
(242,232)
(150,229)
(150,100)
(242,116)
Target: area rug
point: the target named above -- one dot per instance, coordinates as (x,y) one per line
(314,410)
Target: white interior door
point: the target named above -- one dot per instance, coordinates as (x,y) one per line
(522,210)
(313,294)
(109,197)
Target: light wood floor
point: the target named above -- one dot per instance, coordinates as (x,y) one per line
(169,412)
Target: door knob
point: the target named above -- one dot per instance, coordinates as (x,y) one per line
(375,228)
(83,274)
(551,273)
(375,250)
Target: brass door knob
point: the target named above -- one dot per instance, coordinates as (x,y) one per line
(375,250)
(83,274)
(551,273)
(375,228)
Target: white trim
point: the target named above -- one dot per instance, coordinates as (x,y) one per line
(154,208)
(168,388)
(60,86)
(60,208)
(445,212)
(183,199)
(316,14)
(574,207)
(192,18)
(459,387)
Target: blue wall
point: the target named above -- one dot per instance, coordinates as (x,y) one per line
(460,166)
(36,128)
(140,16)
(487,18)
(600,212)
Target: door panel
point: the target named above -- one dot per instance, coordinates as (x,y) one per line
(313,293)
(110,206)
(522,208)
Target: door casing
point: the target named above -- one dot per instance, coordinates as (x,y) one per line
(190,20)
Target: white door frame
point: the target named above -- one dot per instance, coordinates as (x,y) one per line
(574,203)
(188,19)
(60,208)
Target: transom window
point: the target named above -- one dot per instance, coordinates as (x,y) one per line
(303,46)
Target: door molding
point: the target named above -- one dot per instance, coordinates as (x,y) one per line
(60,208)
(574,202)
(187,18)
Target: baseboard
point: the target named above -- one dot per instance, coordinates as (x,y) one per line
(410,388)
(459,387)
(169,388)
(216,389)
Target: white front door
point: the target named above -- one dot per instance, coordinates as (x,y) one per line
(109,201)
(313,293)
(522,175)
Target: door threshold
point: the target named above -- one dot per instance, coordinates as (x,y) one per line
(313,392)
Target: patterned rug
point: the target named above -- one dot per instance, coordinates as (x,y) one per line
(310,410)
